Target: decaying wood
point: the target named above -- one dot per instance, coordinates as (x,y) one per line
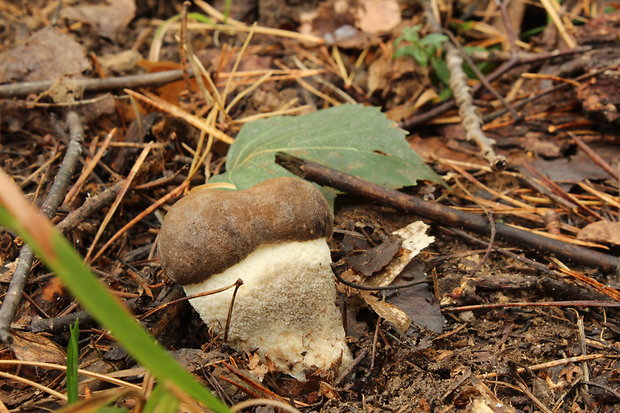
(324,175)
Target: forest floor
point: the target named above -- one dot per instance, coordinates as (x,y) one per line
(498,325)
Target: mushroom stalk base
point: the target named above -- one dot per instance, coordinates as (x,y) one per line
(285,309)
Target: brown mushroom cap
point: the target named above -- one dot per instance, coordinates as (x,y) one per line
(209,231)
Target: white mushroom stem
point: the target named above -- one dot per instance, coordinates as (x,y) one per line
(285,308)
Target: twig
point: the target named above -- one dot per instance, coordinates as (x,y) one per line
(601,386)
(375,338)
(575,303)
(93,85)
(483,79)
(119,197)
(266,402)
(188,297)
(90,206)
(554,363)
(439,213)
(551,11)
(464,100)
(500,112)
(559,191)
(350,367)
(533,398)
(371,288)
(36,385)
(510,33)
(584,349)
(468,112)
(53,200)
(183,50)
(510,64)
(40,364)
(238,284)
(594,156)
(474,270)
(62,323)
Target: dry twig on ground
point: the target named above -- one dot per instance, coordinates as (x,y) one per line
(53,200)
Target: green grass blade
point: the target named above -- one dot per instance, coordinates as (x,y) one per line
(161,401)
(60,257)
(72,363)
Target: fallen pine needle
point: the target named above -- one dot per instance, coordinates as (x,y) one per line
(172,194)
(34,384)
(177,112)
(117,201)
(260,402)
(88,373)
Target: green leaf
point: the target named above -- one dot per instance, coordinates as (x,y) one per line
(410,34)
(532,32)
(355,139)
(60,257)
(441,70)
(407,50)
(161,401)
(72,363)
(421,56)
(444,94)
(433,39)
(471,49)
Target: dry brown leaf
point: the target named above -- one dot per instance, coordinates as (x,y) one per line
(376,16)
(328,391)
(600,98)
(414,240)
(335,21)
(402,80)
(47,54)
(120,62)
(392,314)
(376,258)
(34,347)
(106,18)
(9,270)
(253,361)
(52,290)
(601,231)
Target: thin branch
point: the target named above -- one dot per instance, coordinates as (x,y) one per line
(324,175)
(90,206)
(575,303)
(510,33)
(53,200)
(468,112)
(384,288)
(93,85)
(500,112)
(464,99)
(483,79)
(351,366)
(596,158)
(521,59)
(238,284)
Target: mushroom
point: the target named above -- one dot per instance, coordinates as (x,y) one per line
(273,237)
